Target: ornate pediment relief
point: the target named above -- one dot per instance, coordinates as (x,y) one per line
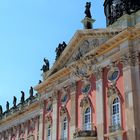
(82,43)
(85,47)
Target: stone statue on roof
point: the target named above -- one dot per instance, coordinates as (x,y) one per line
(1,110)
(60,49)
(7,106)
(31,92)
(46,66)
(87,11)
(22,97)
(14,101)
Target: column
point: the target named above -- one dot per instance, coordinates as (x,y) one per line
(99,104)
(130,83)
(36,127)
(17,133)
(54,117)
(73,110)
(136,94)
(41,120)
(26,130)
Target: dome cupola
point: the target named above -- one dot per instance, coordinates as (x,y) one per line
(114,9)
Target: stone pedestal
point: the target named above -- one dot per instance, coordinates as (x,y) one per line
(87,22)
(126,21)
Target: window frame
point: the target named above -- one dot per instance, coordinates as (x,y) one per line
(87,119)
(116,112)
(64,128)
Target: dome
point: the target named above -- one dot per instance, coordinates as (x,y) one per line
(114,9)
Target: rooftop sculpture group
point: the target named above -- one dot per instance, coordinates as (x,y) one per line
(46,66)
(22,101)
(115,9)
(60,49)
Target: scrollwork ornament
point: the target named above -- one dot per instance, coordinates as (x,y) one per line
(132,59)
(42,104)
(49,118)
(112,89)
(98,71)
(63,110)
(73,86)
(55,95)
(85,102)
(135,58)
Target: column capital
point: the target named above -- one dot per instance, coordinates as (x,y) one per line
(98,71)
(130,59)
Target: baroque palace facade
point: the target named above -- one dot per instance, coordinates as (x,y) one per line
(92,92)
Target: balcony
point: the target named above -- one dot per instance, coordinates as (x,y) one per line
(85,134)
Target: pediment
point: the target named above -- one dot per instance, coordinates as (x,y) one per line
(82,43)
(93,44)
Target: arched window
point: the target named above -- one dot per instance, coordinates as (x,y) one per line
(87,119)
(49,133)
(65,129)
(116,115)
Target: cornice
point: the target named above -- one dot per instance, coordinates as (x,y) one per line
(127,34)
(19,115)
(52,79)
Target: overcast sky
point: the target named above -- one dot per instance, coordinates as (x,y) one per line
(31,30)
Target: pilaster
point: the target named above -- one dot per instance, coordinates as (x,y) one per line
(99,104)
(41,120)
(73,109)
(54,116)
(131,80)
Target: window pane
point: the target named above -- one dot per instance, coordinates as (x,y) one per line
(87,119)
(65,129)
(116,112)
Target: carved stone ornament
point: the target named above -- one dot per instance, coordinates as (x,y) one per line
(73,86)
(113,74)
(82,69)
(86,86)
(22,128)
(95,43)
(85,102)
(31,124)
(131,58)
(114,9)
(13,131)
(63,110)
(112,90)
(6,134)
(98,72)
(64,98)
(42,104)
(49,118)
(49,104)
